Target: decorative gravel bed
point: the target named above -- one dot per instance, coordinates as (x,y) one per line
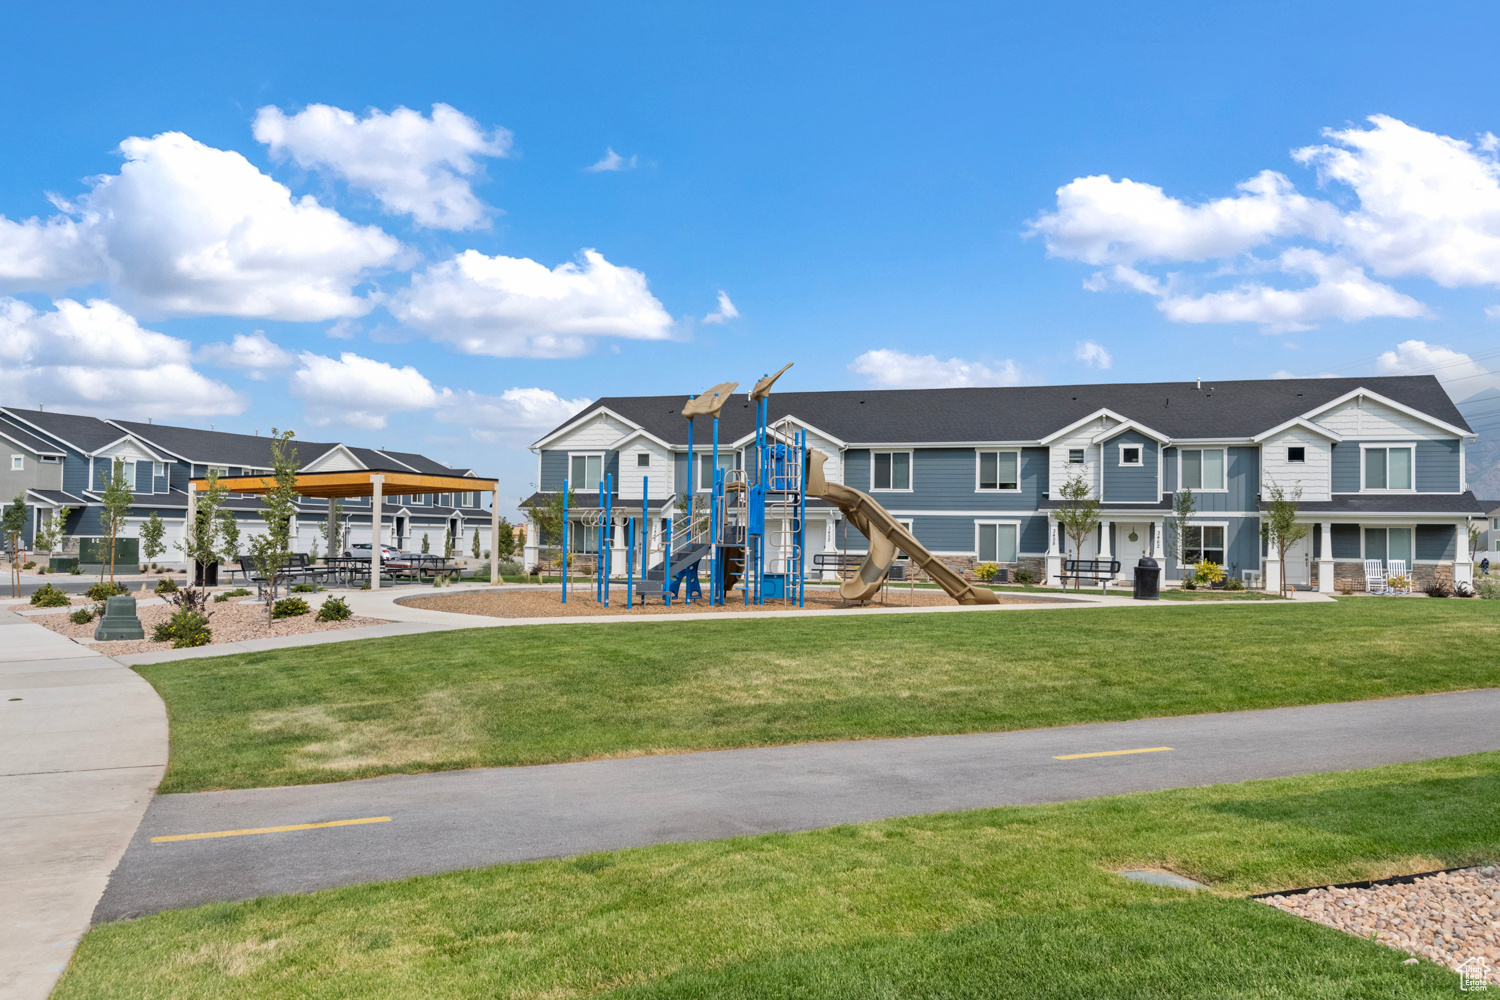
(1450,917)
(548,603)
(234,620)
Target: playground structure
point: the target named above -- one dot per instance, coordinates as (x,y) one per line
(750,530)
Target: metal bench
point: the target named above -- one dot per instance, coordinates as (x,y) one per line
(1090,571)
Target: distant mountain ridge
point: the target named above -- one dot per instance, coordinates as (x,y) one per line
(1482,411)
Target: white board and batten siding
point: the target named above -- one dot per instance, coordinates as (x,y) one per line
(1314,475)
(1367,419)
(633,474)
(1061,471)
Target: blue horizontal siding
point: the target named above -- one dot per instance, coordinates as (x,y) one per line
(1436,541)
(554,470)
(1437,467)
(1130,484)
(1345,541)
(1345,467)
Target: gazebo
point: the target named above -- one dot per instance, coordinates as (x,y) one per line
(373,483)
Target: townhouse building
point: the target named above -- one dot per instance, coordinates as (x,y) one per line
(975,473)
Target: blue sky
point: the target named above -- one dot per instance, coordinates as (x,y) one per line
(874,187)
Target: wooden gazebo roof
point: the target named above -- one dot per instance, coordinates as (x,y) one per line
(359,483)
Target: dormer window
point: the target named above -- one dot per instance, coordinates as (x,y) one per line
(1296,454)
(1130,454)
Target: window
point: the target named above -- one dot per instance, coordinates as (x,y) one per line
(1297,454)
(643,460)
(706,468)
(1204,541)
(586,471)
(890,470)
(1388,468)
(17,463)
(158,469)
(1130,454)
(996,543)
(51,458)
(1388,544)
(999,470)
(1202,468)
(1075,456)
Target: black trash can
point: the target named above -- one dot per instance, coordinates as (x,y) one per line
(207,575)
(1147,580)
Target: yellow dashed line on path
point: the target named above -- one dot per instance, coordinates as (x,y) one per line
(1110,753)
(270,829)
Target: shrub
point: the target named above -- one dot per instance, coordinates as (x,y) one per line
(304,588)
(334,610)
(28,565)
(1189,582)
(289,607)
(236,592)
(75,570)
(509,567)
(1437,588)
(1024,577)
(104,590)
(83,615)
(167,586)
(986,571)
(184,630)
(48,596)
(1488,587)
(42,571)
(1234,583)
(1208,572)
(1398,582)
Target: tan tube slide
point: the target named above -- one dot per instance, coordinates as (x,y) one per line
(887,536)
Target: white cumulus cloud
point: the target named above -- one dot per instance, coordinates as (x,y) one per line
(887,369)
(516,307)
(1092,355)
(356,391)
(187,229)
(611,162)
(725,312)
(96,357)
(515,417)
(413,164)
(1460,374)
(253,353)
(1425,206)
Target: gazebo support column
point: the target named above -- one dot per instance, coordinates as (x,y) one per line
(376,484)
(495,536)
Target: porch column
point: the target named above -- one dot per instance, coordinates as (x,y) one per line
(1106,547)
(617,545)
(1325,561)
(1463,565)
(1272,572)
(495,536)
(188,524)
(376,485)
(1054,556)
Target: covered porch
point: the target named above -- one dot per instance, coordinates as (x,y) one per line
(373,484)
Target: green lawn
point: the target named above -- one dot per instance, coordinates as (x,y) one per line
(526,695)
(1001,903)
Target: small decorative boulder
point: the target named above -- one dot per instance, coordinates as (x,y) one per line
(120,621)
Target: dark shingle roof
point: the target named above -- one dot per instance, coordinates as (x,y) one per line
(1232,409)
(88,433)
(243,450)
(28,440)
(1395,503)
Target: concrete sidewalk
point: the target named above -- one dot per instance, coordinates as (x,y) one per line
(83,745)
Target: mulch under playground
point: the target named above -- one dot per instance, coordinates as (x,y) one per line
(581,603)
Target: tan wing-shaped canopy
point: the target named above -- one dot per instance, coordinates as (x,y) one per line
(763,387)
(709,404)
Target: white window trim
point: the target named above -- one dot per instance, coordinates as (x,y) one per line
(1201,489)
(18,463)
(1140,462)
(603,463)
(977,453)
(1412,447)
(911,470)
(1068,460)
(997,522)
(1207,524)
(1412,527)
(695,465)
(1296,461)
(638,463)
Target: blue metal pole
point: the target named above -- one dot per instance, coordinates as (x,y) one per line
(609,532)
(692,493)
(802,520)
(566,533)
(714,595)
(645,530)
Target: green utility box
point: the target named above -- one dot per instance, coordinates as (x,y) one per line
(119,621)
(95,552)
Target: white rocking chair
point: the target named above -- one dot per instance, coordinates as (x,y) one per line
(1375,576)
(1395,568)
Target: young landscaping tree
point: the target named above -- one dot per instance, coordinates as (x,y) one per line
(448,546)
(13,523)
(272,550)
(504,541)
(53,532)
(116,498)
(229,537)
(152,533)
(1079,513)
(1278,523)
(549,520)
(201,542)
(1184,505)
(476,543)
(1475,530)
(425,544)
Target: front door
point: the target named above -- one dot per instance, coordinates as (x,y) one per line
(1299,562)
(1129,550)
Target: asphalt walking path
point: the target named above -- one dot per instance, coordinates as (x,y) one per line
(83,745)
(429,823)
